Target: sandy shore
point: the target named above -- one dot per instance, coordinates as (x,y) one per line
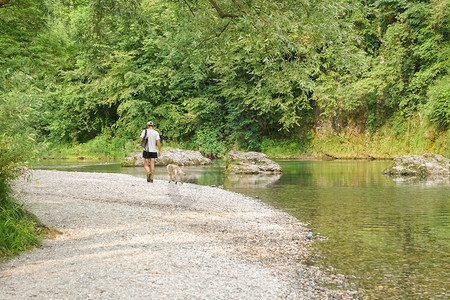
(124,238)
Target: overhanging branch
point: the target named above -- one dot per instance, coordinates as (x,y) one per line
(220,11)
(237,4)
(192,12)
(214,36)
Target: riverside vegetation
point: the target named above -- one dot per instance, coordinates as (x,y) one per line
(341,78)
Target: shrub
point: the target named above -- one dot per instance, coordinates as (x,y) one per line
(438,106)
(288,148)
(17,226)
(210,142)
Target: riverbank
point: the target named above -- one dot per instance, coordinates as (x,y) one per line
(122,237)
(274,156)
(321,145)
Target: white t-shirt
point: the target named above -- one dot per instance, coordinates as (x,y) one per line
(152,137)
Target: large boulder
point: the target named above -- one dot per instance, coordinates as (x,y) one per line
(238,162)
(182,158)
(419,166)
(172,156)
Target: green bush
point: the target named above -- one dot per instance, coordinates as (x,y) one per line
(288,148)
(17,226)
(438,106)
(102,147)
(210,142)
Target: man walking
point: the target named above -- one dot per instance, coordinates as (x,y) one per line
(150,153)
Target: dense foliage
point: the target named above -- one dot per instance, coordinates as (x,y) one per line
(221,74)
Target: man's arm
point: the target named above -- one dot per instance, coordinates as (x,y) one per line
(158,143)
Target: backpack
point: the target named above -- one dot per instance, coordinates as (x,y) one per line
(144,140)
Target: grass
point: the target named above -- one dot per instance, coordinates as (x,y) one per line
(19,230)
(292,148)
(417,137)
(102,148)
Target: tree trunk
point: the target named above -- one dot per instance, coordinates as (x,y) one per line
(4,2)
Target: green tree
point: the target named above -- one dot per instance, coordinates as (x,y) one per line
(23,63)
(214,74)
(413,54)
(262,60)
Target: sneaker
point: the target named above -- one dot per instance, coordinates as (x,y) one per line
(151,180)
(148,177)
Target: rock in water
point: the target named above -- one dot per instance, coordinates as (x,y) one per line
(429,164)
(182,158)
(238,162)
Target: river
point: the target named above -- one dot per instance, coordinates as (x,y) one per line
(391,238)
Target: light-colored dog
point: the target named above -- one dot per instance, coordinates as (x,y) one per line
(175,171)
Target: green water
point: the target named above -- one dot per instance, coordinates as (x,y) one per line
(390,238)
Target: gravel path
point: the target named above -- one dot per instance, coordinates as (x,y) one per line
(124,238)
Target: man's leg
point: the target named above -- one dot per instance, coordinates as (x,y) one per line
(146,167)
(152,168)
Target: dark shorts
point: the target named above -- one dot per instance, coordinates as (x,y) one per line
(146,154)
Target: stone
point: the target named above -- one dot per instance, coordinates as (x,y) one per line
(178,157)
(429,164)
(238,162)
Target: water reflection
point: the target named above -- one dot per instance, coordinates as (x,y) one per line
(429,181)
(254,180)
(391,238)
